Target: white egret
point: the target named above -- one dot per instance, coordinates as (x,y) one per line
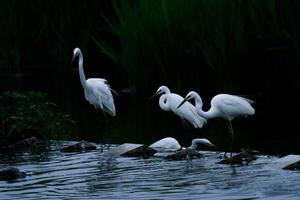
(169,101)
(223,106)
(96,90)
(171,144)
(166,144)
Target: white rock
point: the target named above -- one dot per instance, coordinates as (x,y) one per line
(286,160)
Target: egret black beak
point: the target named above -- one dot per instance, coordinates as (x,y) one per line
(185,99)
(214,146)
(155,94)
(73,58)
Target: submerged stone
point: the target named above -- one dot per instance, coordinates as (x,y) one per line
(293,166)
(183,154)
(240,158)
(80,146)
(250,151)
(131,150)
(289,162)
(11,173)
(24,143)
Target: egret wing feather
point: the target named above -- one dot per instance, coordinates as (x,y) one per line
(248,100)
(187,111)
(166,144)
(236,106)
(100,95)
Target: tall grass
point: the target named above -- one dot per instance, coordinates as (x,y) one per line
(195,43)
(211,46)
(215,46)
(38,34)
(38,37)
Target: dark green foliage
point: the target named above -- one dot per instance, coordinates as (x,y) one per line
(245,47)
(211,46)
(39,37)
(195,43)
(23,115)
(38,32)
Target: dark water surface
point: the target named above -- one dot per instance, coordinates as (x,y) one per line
(52,174)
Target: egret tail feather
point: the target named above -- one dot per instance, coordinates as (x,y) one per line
(116,93)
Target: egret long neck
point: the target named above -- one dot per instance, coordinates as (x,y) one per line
(81,72)
(193,145)
(167,90)
(205,114)
(164,103)
(197,141)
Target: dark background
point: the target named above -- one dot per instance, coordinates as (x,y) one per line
(37,39)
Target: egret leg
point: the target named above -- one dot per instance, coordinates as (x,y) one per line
(188,155)
(232,137)
(184,123)
(104,114)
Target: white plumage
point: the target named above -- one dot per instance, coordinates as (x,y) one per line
(169,101)
(171,144)
(96,90)
(225,106)
(166,144)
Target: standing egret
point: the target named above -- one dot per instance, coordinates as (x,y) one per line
(96,90)
(169,101)
(223,106)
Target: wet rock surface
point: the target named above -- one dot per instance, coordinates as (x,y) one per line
(288,162)
(293,166)
(11,173)
(24,143)
(184,154)
(131,150)
(80,146)
(241,158)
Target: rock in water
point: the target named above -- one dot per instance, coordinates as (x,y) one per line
(24,143)
(131,150)
(293,166)
(289,162)
(250,151)
(183,153)
(240,158)
(80,146)
(11,173)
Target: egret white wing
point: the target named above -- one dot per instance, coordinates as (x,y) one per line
(102,93)
(236,106)
(187,111)
(166,144)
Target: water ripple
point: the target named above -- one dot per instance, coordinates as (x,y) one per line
(53,174)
